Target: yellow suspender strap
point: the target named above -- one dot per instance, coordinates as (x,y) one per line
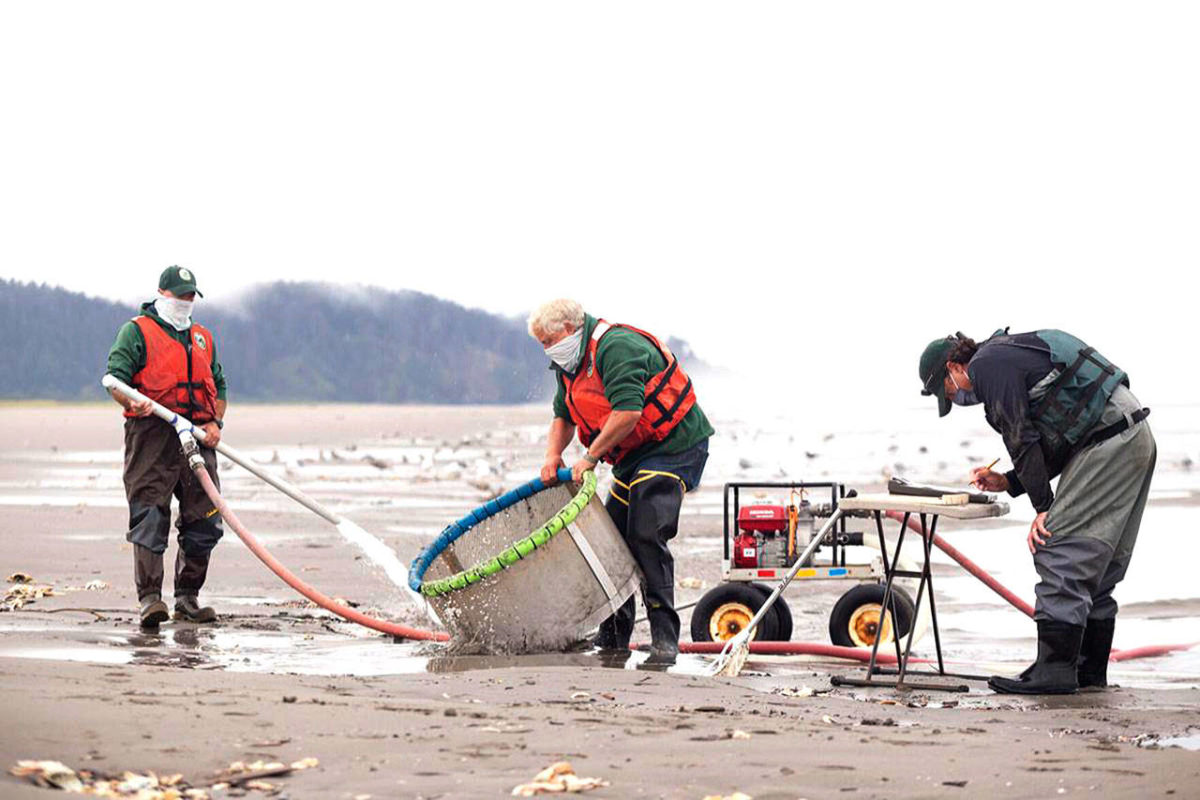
(647,474)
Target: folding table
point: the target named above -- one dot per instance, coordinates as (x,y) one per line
(928,509)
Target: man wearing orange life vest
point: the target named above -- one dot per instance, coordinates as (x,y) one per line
(173,361)
(634,407)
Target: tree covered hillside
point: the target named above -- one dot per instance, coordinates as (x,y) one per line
(287,342)
(291,342)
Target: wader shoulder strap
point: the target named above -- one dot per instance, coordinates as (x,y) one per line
(665,415)
(1053,396)
(592,353)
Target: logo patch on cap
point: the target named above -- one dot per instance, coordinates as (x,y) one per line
(183,273)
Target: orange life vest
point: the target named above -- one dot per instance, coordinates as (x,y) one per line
(669,397)
(177,376)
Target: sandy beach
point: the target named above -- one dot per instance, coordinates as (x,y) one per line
(278,680)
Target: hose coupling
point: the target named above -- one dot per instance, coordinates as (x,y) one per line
(191,450)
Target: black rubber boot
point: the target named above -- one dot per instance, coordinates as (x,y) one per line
(1054,670)
(188,609)
(190,573)
(153,611)
(1093,655)
(664,634)
(617,630)
(147,571)
(148,578)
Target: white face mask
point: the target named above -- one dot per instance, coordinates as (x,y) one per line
(963,397)
(177,313)
(567,353)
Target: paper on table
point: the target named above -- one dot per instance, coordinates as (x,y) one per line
(906,487)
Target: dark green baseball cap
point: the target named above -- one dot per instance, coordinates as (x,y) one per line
(933,372)
(178,280)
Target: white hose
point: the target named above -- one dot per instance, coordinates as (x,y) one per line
(374,549)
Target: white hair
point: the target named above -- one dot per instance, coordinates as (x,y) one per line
(552,317)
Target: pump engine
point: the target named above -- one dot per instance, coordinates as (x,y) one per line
(773,535)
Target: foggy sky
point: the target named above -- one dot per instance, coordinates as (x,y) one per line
(809,193)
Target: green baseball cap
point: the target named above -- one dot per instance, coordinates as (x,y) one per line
(933,372)
(178,280)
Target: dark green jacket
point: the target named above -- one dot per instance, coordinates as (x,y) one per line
(128,353)
(626,361)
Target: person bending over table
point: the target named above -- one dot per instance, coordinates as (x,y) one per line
(1063,410)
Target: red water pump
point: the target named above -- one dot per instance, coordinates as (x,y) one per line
(768,534)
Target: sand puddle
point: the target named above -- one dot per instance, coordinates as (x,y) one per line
(282,645)
(1189,742)
(239,649)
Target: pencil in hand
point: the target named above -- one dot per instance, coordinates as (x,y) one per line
(977,475)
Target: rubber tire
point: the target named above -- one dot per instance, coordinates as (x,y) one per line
(783,614)
(732,592)
(847,604)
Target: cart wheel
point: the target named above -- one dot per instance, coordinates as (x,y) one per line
(725,611)
(783,614)
(855,619)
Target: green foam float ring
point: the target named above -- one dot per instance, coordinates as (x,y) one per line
(522,548)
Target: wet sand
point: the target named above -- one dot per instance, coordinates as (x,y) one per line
(480,733)
(277,680)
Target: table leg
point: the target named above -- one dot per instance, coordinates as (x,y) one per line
(889,603)
(926,580)
(937,636)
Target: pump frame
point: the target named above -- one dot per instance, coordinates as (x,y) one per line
(835,569)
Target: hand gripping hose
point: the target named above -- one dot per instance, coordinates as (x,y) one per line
(377,551)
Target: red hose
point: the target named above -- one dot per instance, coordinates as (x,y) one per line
(798,649)
(1149,651)
(969,565)
(300,586)
(995,585)
(713,648)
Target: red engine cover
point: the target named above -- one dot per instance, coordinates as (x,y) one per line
(745,550)
(762,518)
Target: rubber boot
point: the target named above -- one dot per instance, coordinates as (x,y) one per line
(190,573)
(617,630)
(1054,672)
(664,634)
(153,611)
(1094,654)
(148,578)
(188,609)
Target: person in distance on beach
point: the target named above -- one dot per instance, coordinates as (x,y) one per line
(1063,410)
(173,361)
(632,405)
